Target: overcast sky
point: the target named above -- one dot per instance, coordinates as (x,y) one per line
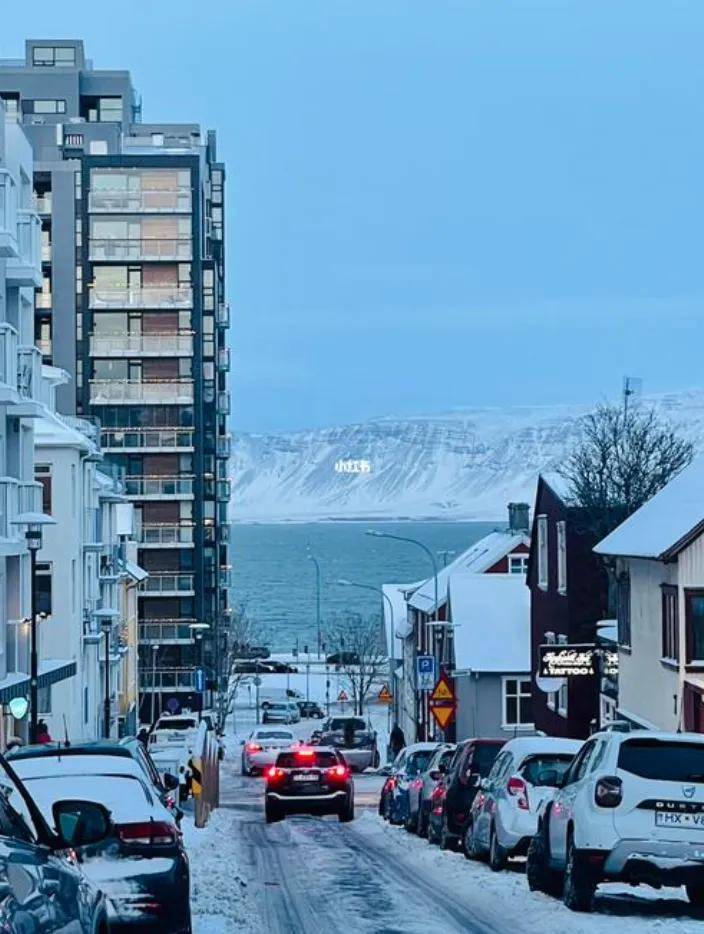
(434,203)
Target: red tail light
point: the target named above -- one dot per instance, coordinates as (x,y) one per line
(147,833)
(517,788)
(304,753)
(274,774)
(253,747)
(338,772)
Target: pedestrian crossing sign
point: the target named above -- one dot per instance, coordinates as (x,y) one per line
(342,696)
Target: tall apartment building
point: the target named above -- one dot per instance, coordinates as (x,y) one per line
(132,306)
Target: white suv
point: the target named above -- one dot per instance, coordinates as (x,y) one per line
(630,808)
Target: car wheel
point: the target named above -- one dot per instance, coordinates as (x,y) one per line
(695,894)
(541,878)
(347,813)
(580,882)
(409,822)
(497,854)
(421,823)
(272,813)
(447,841)
(432,834)
(470,845)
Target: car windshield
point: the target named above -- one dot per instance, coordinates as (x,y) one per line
(339,723)
(125,796)
(15,817)
(176,725)
(483,756)
(546,770)
(273,734)
(278,707)
(296,760)
(663,760)
(418,761)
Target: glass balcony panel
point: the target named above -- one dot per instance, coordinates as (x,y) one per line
(159,486)
(166,345)
(146,298)
(158,201)
(177,392)
(136,250)
(139,438)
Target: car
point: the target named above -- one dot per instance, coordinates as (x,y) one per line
(309,780)
(262,746)
(280,712)
(504,815)
(472,761)
(42,887)
(252,668)
(435,812)
(408,765)
(342,658)
(421,787)
(282,668)
(309,709)
(141,864)
(176,733)
(354,739)
(101,757)
(630,809)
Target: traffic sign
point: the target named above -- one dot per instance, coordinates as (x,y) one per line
(385,694)
(425,672)
(342,697)
(200,680)
(443,702)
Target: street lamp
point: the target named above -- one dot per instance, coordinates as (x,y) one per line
(198,631)
(33,523)
(317,597)
(106,616)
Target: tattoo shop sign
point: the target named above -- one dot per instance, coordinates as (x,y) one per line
(576,661)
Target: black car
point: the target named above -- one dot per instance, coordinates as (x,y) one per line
(42,887)
(342,658)
(280,668)
(252,668)
(309,780)
(472,761)
(309,709)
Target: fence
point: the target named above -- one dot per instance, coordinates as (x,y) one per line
(205,774)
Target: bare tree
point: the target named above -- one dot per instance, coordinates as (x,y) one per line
(359,645)
(622,460)
(242,634)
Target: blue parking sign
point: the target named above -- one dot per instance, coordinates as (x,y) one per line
(425,672)
(200,680)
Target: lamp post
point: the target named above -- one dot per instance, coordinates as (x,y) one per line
(33,523)
(106,616)
(317,598)
(198,631)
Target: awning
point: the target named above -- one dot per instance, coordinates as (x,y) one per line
(50,672)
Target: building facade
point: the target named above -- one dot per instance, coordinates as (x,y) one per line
(132,305)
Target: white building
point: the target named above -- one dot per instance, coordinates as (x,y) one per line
(659,564)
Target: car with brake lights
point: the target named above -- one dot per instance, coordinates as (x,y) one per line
(262,746)
(630,809)
(309,780)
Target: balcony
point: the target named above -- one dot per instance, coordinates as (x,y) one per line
(147,439)
(223,403)
(163,535)
(224,359)
(131,392)
(16,497)
(160,487)
(145,201)
(26,269)
(43,204)
(222,318)
(29,373)
(135,250)
(168,584)
(43,300)
(224,533)
(166,630)
(168,679)
(8,215)
(8,362)
(142,345)
(223,491)
(150,298)
(224,446)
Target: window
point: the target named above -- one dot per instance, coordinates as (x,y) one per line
(48,106)
(662,760)
(623,609)
(42,473)
(694,621)
(43,588)
(12,104)
(44,699)
(561,557)
(54,56)
(543,552)
(517,564)
(670,623)
(562,696)
(518,705)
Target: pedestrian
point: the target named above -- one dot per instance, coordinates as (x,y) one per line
(397,740)
(143,737)
(43,737)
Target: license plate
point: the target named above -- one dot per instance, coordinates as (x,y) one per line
(305,777)
(685,821)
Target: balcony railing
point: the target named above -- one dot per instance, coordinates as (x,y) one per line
(223,403)
(167,679)
(224,446)
(166,534)
(223,316)
(17,497)
(29,373)
(8,215)
(146,201)
(8,355)
(19,645)
(43,300)
(129,250)
(166,630)
(129,345)
(43,204)
(159,486)
(120,439)
(224,359)
(165,391)
(27,268)
(157,297)
(223,491)
(166,582)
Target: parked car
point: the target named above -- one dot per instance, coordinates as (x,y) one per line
(262,747)
(141,864)
(282,668)
(254,651)
(42,889)
(421,787)
(277,695)
(354,739)
(435,812)
(472,761)
(342,658)
(410,763)
(504,815)
(281,712)
(309,709)
(630,809)
(176,733)
(309,781)
(252,668)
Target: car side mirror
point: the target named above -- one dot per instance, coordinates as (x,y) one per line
(170,781)
(81,823)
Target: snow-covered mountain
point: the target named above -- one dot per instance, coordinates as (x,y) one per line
(464,465)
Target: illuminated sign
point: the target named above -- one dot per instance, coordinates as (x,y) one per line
(576,661)
(353,466)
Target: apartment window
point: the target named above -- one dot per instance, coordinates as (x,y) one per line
(623,609)
(543,552)
(43,588)
(562,695)
(54,56)
(517,564)
(561,528)
(48,106)
(518,704)
(42,473)
(670,624)
(12,104)
(694,622)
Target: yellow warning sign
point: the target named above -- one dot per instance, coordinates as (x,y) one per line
(443,690)
(385,694)
(443,715)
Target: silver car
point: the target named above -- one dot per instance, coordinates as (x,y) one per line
(280,712)
(262,746)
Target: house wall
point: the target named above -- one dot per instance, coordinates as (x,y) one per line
(501,567)
(480,706)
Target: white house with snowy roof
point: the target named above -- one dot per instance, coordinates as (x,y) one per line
(659,561)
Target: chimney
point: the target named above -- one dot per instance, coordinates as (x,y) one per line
(519,517)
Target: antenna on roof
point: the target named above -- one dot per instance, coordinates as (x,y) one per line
(632,387)
(67,742)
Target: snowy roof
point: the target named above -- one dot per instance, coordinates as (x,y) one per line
(477,559)
(524,746)
(666,523)
(491,613)
(52,432)
(557,483)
